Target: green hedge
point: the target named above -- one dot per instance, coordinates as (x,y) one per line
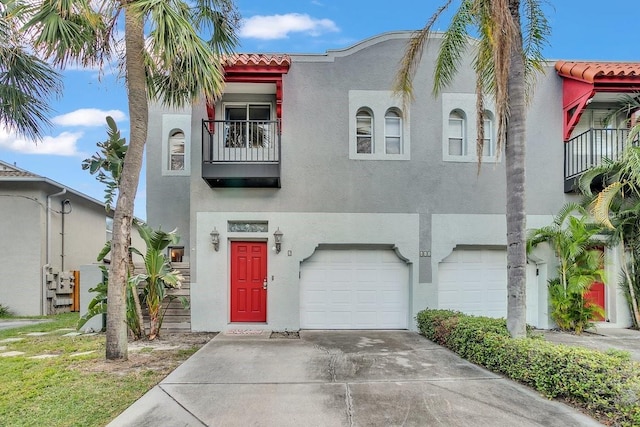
(607,385)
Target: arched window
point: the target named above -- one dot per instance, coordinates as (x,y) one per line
(489,142)
(393,132)
(176,150)
(364,131)
(457,131)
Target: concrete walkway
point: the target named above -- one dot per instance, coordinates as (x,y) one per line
(334,378)
(601,339)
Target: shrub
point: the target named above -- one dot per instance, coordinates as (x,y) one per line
(605,384)
(4,311)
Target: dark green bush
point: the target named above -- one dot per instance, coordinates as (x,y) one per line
(605,384)
(4,311)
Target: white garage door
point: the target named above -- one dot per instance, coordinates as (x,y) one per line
(474,281)
(354,289)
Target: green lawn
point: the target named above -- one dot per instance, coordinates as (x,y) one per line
(70,390)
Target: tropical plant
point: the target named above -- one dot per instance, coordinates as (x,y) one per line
(504,63)
(107,164)
(157,278)
(617,207)
(163,58)
(572,238)
(26,81)
(158,275)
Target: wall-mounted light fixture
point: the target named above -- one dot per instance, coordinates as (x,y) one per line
(215,239)
(278,240)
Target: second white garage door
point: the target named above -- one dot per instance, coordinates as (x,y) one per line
(354,289)
(474,281)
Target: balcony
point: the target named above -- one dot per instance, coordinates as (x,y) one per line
(241,153)
(589,149)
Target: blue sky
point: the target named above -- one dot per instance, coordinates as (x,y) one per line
(581,30)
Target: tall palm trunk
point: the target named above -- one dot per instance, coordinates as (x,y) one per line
(116,346)
(515,173)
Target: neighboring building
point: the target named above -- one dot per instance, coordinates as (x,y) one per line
(47,229)
(379,206)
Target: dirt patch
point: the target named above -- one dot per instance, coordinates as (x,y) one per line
(163,354)
(294,335)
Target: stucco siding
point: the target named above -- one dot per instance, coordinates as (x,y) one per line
(22,228)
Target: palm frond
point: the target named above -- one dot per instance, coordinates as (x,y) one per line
(69,31)
(600,207)
(536,31)
(455,42)
(180,65)
(27,83)
(403,83)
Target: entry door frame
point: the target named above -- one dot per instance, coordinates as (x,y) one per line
(252,306)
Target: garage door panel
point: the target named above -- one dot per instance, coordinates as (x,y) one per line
(474,281)
(370,287)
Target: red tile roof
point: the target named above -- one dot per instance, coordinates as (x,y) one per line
(255,59)
(593,71)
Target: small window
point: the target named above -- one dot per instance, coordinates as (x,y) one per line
(176,253)
(364,132)
(489,142)
(176,151)
(457,143)
(393,132)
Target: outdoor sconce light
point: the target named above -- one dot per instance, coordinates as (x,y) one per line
(278,239)
(215,239)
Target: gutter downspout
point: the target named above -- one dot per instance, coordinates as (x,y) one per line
(43,290)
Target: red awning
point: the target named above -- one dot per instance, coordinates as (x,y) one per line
(582,80)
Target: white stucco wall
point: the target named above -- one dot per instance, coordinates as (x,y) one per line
(303,232)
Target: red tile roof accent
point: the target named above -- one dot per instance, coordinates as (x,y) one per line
(255,59)
(595,71)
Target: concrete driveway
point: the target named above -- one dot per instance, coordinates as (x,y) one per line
(335,378)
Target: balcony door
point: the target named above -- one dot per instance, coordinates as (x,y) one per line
(249,132)
(596,138)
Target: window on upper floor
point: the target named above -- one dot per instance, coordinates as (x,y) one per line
(176,150)
(378,128)
(364,131)
(460,129)
(457,130)
(248,125)
(393,132)
(489,141)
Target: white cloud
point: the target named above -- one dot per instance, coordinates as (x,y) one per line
(88,117)
(280,26)
(64,144)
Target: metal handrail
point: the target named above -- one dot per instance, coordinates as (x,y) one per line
(591,147)
(241,141)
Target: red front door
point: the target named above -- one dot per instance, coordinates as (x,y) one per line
(595,295)
(248,277)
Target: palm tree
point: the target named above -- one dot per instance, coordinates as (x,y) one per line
(504,65)
(164,59)
(26,82)
(572,238)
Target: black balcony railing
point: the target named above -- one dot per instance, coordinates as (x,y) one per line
(589,149)
(241,153)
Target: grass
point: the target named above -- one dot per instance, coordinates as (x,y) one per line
(69,390)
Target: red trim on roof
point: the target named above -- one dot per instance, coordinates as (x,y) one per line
(582,80)
(255,68)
